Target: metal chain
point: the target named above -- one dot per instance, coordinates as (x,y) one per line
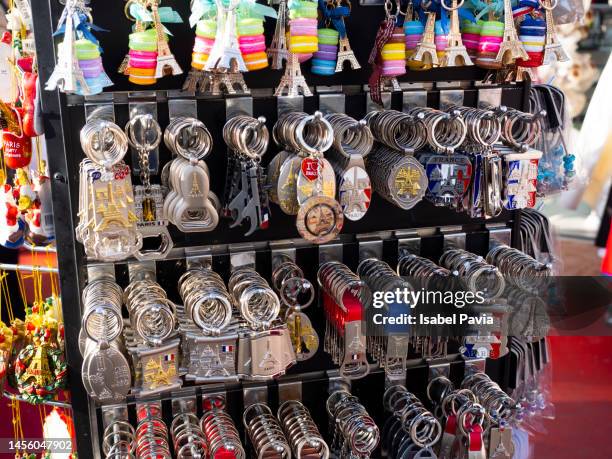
(145,176)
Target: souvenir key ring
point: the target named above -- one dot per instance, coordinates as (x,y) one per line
(103,142)
(188,138)
(320,218)
(353,140)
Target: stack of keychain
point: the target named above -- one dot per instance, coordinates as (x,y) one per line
(557,169)
(229,40)
(296,294)
(303,182)
(79,67)
(245,196)
(149,57)
(107,214)
(345,339)
(189,204)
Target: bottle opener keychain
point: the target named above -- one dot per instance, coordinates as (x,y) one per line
(144,135)
(189,205)
(353,141)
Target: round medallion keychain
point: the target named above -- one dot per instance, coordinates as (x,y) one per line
(319,218)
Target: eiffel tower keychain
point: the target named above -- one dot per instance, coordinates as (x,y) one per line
(553,51)
(456,54)
(67,75)
(345,53)
(277,51)
(426,50)
(166,63)
(511,47)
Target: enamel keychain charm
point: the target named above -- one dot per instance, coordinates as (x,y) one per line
(448,171)
(519,131)
(319,218)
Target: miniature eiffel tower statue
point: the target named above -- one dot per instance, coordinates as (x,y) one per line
(67,75)
(511,47)
(389,84)
(293,80)
(166,63)
(194,80)
(426,50)
(456,54)
(204,84)
(235,79)
(220,83)
(277,51)
(226,48)
(552,48)
(345,53)
(197,81)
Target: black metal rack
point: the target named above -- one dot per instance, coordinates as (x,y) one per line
(65,115)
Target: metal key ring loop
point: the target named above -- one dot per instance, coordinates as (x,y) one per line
(138,130)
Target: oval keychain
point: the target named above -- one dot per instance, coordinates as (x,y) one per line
(273,174)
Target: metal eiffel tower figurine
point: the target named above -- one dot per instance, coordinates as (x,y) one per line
(226,48)
(277,51)
(139,26)
(511,47)
(456,54)
(426,50)
(195,80)
(553,51)
(292,81)
(166,63)
(67,75)
(345,53)
(389,84)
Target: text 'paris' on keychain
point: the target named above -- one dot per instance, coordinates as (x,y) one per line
(107,215)
(145,135)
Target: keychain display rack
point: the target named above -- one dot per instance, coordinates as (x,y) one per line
(381,231)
